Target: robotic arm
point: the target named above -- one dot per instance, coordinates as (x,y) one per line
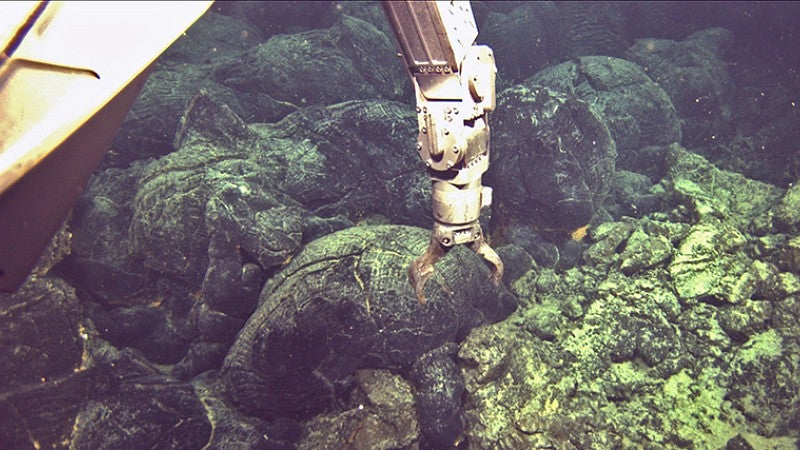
(454,82)
(63,93)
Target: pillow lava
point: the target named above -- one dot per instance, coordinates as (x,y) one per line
(638,112)
(345,303)
(552,159)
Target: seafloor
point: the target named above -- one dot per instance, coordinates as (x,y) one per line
(234,276)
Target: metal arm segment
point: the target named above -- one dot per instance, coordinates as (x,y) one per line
(69,72)
(454,82)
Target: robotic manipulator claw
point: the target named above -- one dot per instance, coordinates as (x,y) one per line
(422,268)
(454,82)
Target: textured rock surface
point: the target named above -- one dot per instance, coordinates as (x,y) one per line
(182,71)
(228,209)
(785,214)
(709,265)
(371,12)
(212,38)
(100,260)
(789,256)
(42,325)
(552,249)
(440,392)
(344,303)
(591,353)
(681,324)
(146,412)
(354,159)
(704,192)
(677,327)
(524,40)
(351,60)
(43,379)
(694,74)
(382,417)
(634,195)
(149,128)
(278,17)
(262,81)
(232,429)
(208,202)
(557,159)
(643,252)
(239,215)
(763,34)
(594,29)
(637,111)
(765,383)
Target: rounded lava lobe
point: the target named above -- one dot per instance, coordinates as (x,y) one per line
(344,303)
(557,157)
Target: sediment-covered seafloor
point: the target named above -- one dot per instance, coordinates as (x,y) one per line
(234,275)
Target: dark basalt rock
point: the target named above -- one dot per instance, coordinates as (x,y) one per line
(280,16)
(351,60)
(371,12)
(695,75)
(231,206)
(542,251)
(146,238)
(440,390)
(149,128)
(213,37)
(63,386)
(633,194)
(43,380)
(637,110)
(150,412)
(45,411)
(131,404)
(208,216)
(261,81)
(784,215)
(552,250)
(204,355)
(180,73)
(381,415)
(524,40)
(516,261)
(706,193)
(354,159)
(232,429)
(344,303)
(40,326)
(552,160)
(526,36)
(101,263)
(674,325)
(592,29)
(202,204)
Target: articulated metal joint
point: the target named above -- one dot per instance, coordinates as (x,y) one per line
(459,204)
(450,235)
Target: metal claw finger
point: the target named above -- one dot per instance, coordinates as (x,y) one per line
(422,268)
(482,248)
